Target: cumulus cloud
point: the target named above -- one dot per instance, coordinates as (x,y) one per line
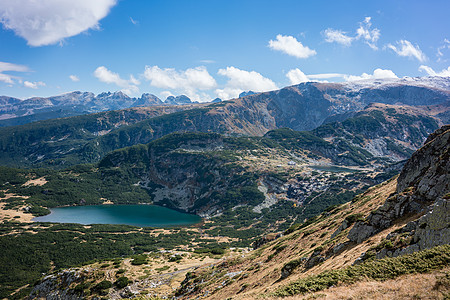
(33,85)
(370,36)
(9,67)
(296,76)
(129,86)
(431,72)
(74,78)
(46,22)
(165,94)
(290,45)
(241,80)
(189,81)
(337,36)
(405,48)
(377,74)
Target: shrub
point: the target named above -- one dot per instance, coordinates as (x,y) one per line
(139,260)
(122,282)
(383,269)
(103,285)
(354,218)
(175,258)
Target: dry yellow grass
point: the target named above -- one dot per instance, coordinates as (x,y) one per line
(15,214)
(263,274)
(416,286)
(37,181)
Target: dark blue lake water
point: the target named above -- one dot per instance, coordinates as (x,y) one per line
(138,215)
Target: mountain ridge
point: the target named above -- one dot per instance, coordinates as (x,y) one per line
(387,91)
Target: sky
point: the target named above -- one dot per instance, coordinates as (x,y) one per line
(214,48)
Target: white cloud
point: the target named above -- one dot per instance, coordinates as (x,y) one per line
(189,81)
(405,48)
(445,46)
(241,80)
(207,61)
(431,72)
(290,45)
(165,94)
(364,32)
(133,21)
(326,75)
(296,76)
(33,85)
(46,22)
(377,74)
(370,36)
(74,78)
(9,67)
(129,86)
(337,36)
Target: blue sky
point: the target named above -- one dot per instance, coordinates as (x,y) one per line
(208,49)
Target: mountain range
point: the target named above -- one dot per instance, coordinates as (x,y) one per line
(87,138)
(343,97)
(14,111)
(300,189)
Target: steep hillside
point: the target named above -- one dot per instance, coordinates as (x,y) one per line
(307,105)
(33,143)
(204,174)
(401,216)
(245,188)
(388,131)
(87,139)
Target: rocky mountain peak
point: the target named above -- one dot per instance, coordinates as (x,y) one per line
(243,94)
(181,99)
(147,100)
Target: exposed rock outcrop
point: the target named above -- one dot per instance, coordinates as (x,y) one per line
(57,287)
(422,190)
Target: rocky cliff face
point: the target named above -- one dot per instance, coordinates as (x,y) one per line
(189,172)
(422,194)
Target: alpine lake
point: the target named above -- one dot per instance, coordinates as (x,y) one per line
(141,215)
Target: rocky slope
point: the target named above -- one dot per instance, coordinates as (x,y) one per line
(378,132)
(213,175)
(393,132)
(307,105)
(422,192)
(388,131)
(401,216)
(30,144)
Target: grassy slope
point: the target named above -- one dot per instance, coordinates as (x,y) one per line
(260,271)
(93,184)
